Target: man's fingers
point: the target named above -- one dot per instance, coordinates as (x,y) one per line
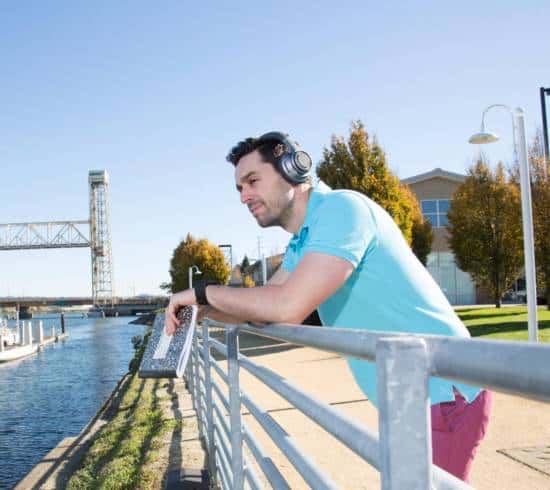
(174,319)
(171,322)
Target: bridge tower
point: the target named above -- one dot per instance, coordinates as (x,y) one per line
(103,288)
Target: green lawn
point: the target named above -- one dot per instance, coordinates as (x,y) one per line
(504,323)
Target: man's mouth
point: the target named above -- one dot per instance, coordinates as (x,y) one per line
(255,208)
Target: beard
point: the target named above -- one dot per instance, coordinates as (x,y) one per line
(276,214)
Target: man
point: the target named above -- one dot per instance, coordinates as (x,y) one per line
(348,259)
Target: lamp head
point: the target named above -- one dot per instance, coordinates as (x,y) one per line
(483,137)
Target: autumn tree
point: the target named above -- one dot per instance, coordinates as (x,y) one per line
(540,193)
(485,228)
(421,234)
(200,252)
(360,164)
(248,282)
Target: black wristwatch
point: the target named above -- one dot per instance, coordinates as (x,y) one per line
(200,290)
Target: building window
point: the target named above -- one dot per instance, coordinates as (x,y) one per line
(457,285)
(435,210)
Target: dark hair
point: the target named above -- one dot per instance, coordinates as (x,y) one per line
(248,145)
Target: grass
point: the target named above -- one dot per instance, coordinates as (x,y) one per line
(126,446)
(509,323)
(124,453)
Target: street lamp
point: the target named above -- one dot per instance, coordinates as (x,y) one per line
(193,269)
(520,159)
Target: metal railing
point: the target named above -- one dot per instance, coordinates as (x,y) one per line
(401,451)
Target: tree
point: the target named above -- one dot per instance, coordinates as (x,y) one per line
(540,193)
(540,182)
(248,282)
(360,164)
(422,233)
(485,228)
(206,256)
(245,264)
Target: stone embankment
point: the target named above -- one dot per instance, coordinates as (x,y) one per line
(146,319)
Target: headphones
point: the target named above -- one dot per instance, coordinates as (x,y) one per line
(291,162)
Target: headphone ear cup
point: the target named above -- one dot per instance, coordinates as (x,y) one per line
(295,166)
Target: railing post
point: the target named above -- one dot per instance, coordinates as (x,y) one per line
(209,407)
(237,464)
(403,413)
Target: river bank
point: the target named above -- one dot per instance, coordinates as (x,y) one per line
(144,431)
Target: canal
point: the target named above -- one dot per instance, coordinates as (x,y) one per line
(53,394)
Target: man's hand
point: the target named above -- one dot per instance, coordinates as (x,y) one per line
(178,300)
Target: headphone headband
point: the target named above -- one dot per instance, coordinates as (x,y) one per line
(282,138)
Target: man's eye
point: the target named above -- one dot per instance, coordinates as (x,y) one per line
(252,181)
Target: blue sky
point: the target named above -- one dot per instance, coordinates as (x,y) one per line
(157,92)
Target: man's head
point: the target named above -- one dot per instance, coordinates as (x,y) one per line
(262,185)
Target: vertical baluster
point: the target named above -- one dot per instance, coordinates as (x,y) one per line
(197,384)
(237,466)
(209,407)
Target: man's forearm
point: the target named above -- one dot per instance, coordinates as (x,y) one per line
(268,303)
(220,316)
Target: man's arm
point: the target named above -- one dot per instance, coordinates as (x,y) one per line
(288,298)
(278,278)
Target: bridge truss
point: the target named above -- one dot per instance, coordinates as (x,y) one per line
(94,233)
(52,234)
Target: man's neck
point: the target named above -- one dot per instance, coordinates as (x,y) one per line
(299,208)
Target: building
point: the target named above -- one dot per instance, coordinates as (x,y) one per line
(255,270)
(434,191)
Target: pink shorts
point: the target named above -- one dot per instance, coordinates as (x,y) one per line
(457,429)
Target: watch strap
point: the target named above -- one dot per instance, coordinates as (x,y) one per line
(200,290)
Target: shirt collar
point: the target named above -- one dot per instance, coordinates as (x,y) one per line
(316,196)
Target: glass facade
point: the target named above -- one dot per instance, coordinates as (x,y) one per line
(435,210)
(455,283)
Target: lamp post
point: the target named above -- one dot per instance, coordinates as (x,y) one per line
(191,270)
(543,93)
(520,159)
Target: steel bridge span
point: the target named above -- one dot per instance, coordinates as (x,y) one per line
(94,233)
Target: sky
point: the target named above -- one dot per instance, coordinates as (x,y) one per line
(156,93)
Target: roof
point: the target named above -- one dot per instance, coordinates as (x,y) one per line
(436,172)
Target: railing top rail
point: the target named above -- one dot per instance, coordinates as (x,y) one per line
(515,367)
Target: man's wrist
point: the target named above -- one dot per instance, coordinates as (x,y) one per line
(200,290)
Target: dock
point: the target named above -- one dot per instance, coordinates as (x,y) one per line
(18,341)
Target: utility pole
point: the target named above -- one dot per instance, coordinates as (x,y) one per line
(543,93)
(261,259)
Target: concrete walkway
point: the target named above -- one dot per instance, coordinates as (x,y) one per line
(516,423)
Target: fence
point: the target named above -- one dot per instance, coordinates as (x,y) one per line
(401,451)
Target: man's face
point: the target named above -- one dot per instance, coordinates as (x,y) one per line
(268,196)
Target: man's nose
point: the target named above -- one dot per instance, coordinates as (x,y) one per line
(245,196)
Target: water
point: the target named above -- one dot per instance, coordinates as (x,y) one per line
(54,394)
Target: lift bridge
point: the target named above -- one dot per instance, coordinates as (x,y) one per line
(94,233)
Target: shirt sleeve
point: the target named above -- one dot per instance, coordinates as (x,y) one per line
(343,227)
(289,260)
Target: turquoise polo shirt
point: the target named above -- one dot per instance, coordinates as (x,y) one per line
(389,289)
